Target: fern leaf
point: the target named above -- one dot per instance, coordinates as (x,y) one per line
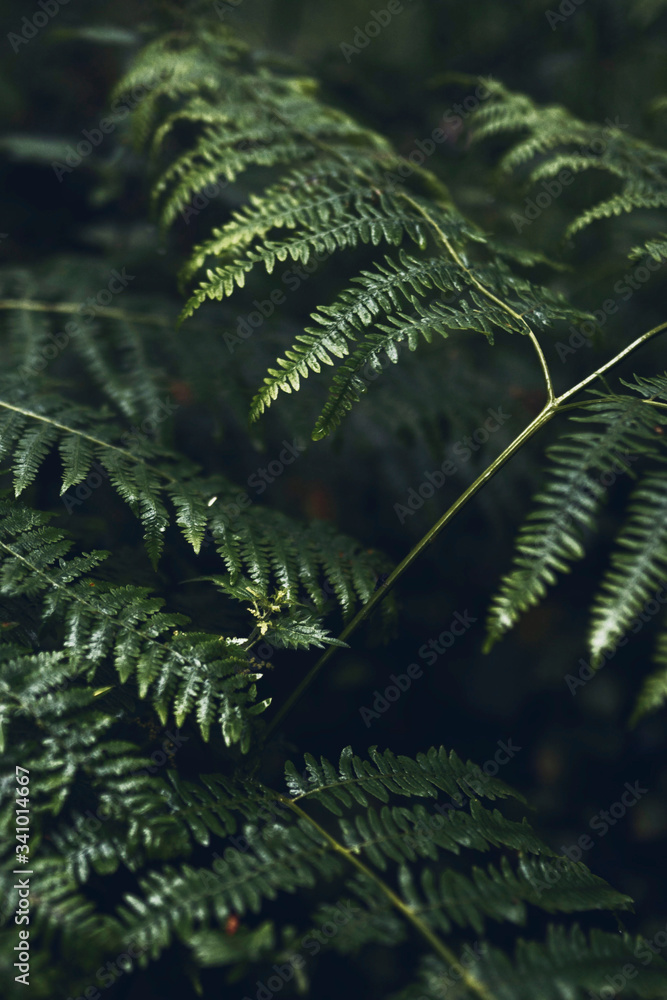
(552,131)
(653,694)
(553,535)
(638,566)
(562,966)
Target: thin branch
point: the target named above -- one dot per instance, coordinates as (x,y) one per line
(552,407)
(486,292)
(406,911)
(612,363)
(546,414)
(87,437)
(29,305)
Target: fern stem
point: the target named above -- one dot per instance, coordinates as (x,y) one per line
(95,609)
(485,291)
(406,911)
(28,305)
(87,437)
(546,414)
(553,406)
(332,151)
(614,361)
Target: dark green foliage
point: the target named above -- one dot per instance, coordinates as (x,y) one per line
(352,196)
(585,466)
(190,839)
(549,133)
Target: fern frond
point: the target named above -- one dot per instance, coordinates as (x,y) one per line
(184,671)
(279,553)
(638,566)
(655,248)
(396,284)
(151,479)
(653,693)
(631,199)
(560,968)
(309,197)
(341,189)
(168,68)
(293,852)
(553,534)
(27,435)
(371,224)
(559,140)
(355,779)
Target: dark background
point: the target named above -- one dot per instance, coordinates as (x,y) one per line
(605,60)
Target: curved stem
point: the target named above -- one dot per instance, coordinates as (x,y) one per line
(440,948)
(553,406)
(474,280)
